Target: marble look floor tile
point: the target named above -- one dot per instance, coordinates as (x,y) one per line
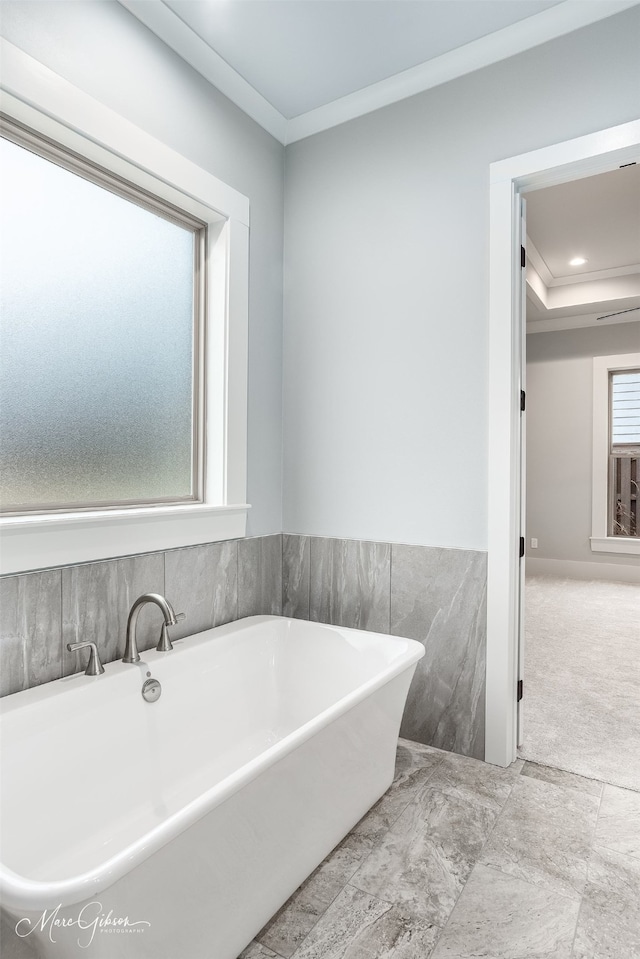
(414,768)
(202,583)
(475,781)
(30,630)
(544,836)
(559,777)
(619,821)
(296,569)
(415,765)
(424,860)
(256,951)
(438,597)
(291,924)
(350,583)
(359,926)
(375,824)
(500,917)
(609,921)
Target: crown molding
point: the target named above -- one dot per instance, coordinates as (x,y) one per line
(554,22)
(538,262)
(547,25)
(615,271)
(168,26)
(556,323)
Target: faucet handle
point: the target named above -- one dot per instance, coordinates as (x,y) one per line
(94,666)
(164,643)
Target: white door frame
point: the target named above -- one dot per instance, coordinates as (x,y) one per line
(570,160)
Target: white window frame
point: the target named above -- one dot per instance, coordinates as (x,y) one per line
(43,101)
(600,541)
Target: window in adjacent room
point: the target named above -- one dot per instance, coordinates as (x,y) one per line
(616,452)
(102,330)
(624,452)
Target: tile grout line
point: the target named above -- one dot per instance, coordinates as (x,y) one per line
(339,893)
(563,785)
(616,852)
(309,586)
(61,627)
(390,581)
(322,915)
(527,882)
(587,864)
(575,931)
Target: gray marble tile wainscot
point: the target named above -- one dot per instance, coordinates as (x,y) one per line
(438,596)
(30,630)
(296,575)
(214,583)
(96,599)
(349,583)
(202,582)
(434,595)
(260,576)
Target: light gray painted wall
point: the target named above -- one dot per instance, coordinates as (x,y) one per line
(386,279)
(559,438)
(101,48)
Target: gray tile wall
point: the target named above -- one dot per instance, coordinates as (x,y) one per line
(212,584)
(260,576)
(436,596)
(349,582)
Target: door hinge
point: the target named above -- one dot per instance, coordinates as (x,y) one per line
(521,547)
(523,257)
(520,687)
(523,400)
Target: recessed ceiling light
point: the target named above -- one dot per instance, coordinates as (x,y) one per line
(578,261)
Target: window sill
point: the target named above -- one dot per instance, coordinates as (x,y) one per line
(62,539)
(615,544)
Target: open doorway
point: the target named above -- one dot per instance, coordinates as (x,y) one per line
(581,667)
(560,163)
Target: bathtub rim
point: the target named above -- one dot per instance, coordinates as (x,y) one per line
(19,893)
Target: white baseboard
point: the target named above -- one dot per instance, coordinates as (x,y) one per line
(573,569)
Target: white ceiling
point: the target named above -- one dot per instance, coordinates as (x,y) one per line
(301,66)
(598,218)
(302,55)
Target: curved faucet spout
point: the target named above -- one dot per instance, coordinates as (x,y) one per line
(131,654)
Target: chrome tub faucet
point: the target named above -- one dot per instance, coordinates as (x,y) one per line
(131,654)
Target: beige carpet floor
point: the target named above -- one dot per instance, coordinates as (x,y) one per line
(582,678)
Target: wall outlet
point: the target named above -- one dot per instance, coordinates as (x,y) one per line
(534,543)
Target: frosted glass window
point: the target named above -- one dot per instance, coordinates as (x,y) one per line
(97,402)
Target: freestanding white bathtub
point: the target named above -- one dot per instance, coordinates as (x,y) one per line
(176,829)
